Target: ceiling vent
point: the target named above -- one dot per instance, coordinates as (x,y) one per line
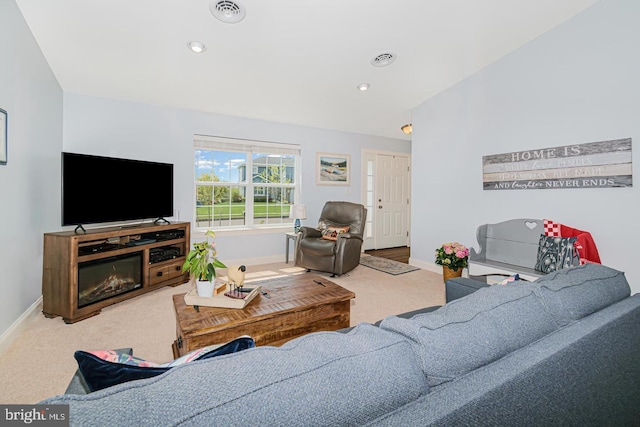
(383,59)
(227,11)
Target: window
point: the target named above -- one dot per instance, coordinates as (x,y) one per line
(244,184)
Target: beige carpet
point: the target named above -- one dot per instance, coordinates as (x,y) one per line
(40,362)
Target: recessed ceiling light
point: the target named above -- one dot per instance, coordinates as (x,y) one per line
(196,46)
(383,59)
(227,11)
(363,86)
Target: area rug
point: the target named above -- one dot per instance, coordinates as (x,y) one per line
(388,266)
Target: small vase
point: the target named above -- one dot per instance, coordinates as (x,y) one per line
(448,273)
(204,288)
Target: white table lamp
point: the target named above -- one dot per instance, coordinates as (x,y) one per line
(298,212)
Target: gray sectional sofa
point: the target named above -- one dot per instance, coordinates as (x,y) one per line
(561,350)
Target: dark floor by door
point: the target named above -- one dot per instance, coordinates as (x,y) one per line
(400,254)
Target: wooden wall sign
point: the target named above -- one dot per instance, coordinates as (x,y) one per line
(600,164)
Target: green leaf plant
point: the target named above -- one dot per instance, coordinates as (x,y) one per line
(201,261)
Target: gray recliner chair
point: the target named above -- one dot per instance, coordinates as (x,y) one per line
(314,251)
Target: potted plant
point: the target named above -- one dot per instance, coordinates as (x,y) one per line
(201,263)
(453,257)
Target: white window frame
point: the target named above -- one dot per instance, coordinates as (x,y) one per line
(250,147)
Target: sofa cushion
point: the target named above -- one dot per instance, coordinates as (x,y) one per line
(474,330)
(318,247)
(573,293)
(105,368)
(317,379)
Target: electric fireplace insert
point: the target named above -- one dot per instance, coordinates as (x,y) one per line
(105,278)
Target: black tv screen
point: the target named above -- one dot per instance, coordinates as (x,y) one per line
(99,189)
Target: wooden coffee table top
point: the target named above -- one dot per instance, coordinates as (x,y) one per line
(287,294)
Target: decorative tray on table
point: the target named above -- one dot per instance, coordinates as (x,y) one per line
(231,299)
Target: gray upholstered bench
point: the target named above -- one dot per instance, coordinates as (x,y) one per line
(507,248)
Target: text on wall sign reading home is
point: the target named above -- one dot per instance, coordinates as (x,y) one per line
(600,164)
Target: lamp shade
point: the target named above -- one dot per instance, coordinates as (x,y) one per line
(298,212)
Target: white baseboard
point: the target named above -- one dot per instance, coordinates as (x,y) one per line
(425,265)
(10,335)
(259,260)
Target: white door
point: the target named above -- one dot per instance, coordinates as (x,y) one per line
(391,201)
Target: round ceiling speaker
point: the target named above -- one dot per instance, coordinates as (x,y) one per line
(383,59)
(227,11)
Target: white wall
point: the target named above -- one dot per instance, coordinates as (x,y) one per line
(132,130)
(30,181)
(40,128)
(575,84)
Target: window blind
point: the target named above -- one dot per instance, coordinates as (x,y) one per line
(250,146)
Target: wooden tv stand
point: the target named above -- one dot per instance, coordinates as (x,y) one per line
(158,249)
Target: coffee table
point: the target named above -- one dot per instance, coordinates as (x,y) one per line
(297,305)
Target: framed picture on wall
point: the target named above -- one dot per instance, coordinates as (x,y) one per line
(3,137)
(333,169)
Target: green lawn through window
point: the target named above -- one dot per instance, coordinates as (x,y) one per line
(236,210)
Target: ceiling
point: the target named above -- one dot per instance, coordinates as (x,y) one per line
(288,61)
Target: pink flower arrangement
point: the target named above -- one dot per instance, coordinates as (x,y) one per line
(452,255)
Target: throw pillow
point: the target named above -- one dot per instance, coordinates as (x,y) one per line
(322,226)
(105,368)
(555,253)
(551,228)
(514,278)
(332,231)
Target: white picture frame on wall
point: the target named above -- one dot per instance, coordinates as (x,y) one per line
(3,137)
(333,169)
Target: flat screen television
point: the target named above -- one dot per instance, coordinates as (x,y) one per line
(99,189)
